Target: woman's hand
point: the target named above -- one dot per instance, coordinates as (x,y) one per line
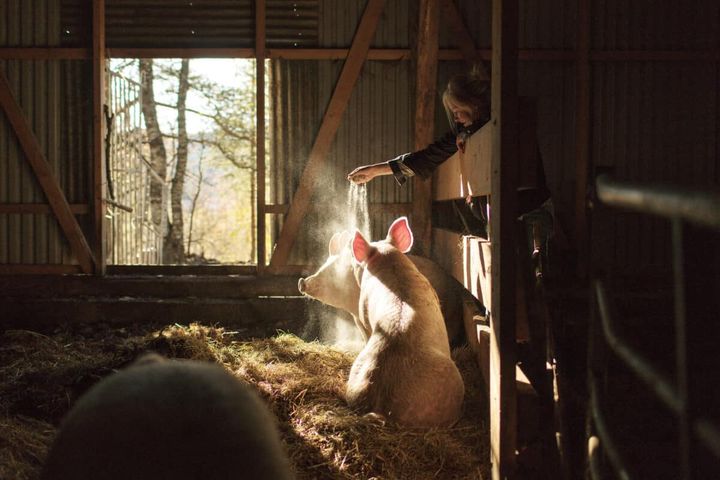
(367,172)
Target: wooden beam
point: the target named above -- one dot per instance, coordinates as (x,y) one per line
(462,36)
(45,176)
(503,232)
(24,269)
(98,159)
(260,131)
(330,123)
(425,98)
(181,52)
(382,54)
(582,134)
(40,208)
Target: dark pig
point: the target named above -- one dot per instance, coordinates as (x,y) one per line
(168,419)
(404,372)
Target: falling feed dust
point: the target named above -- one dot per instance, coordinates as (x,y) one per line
(357,206)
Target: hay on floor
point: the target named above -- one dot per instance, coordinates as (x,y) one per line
(303,383)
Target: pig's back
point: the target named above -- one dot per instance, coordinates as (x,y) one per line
(178,420)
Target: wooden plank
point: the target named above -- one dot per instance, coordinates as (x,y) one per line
(213,285)
(469,172)
(250,317)
(582,134)
(386,54)
(260,132)
(425,98)
(40,208)
(326,134)
(465,42)
(45,176)
(181,53)
(503,231)
(48,269)
(98,166)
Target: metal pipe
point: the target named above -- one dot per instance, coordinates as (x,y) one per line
(695,206)
(636,362)
(608,444)
(594,451)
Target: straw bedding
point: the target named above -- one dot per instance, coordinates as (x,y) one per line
(303,383)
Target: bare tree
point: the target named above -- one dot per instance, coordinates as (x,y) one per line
(173,249)
(158,154)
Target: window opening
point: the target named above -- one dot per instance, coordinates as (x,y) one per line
(181,153)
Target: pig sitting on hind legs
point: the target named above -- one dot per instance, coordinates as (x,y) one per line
(404,372)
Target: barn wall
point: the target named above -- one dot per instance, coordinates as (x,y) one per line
(651,119)
(53,95)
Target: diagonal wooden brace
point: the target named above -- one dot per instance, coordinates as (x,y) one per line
(46,177)
(326,134)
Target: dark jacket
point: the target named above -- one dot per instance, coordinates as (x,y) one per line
(424,162)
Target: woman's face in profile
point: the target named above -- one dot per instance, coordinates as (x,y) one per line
(461,114)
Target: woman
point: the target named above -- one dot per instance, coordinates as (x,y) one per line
(467,103)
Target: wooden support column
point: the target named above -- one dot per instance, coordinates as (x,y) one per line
(45,176)
(582,134)
(260,130)
(330,123)
(503,233)
(425,95)
(99,174)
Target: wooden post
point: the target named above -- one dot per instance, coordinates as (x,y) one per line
(45,176)
(425,95)
(503,232)
(260,130)
(98,158)
(330,123)
(582,133)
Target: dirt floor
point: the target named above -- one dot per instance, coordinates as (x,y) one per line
(42,375)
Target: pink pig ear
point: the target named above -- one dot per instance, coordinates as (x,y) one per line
(360,248)
(400,236)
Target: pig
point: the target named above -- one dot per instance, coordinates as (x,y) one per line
(452,294)
(179,419)
(404,372)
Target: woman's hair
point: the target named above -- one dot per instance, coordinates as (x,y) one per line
(469,91)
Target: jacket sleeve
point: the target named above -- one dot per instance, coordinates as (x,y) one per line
(425,161)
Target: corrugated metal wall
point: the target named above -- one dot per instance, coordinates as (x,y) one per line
(653,121)
(53,95)
(192,24)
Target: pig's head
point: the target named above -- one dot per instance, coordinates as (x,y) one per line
(334,283)
(399,237)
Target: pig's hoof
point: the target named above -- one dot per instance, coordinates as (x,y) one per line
(376,418)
